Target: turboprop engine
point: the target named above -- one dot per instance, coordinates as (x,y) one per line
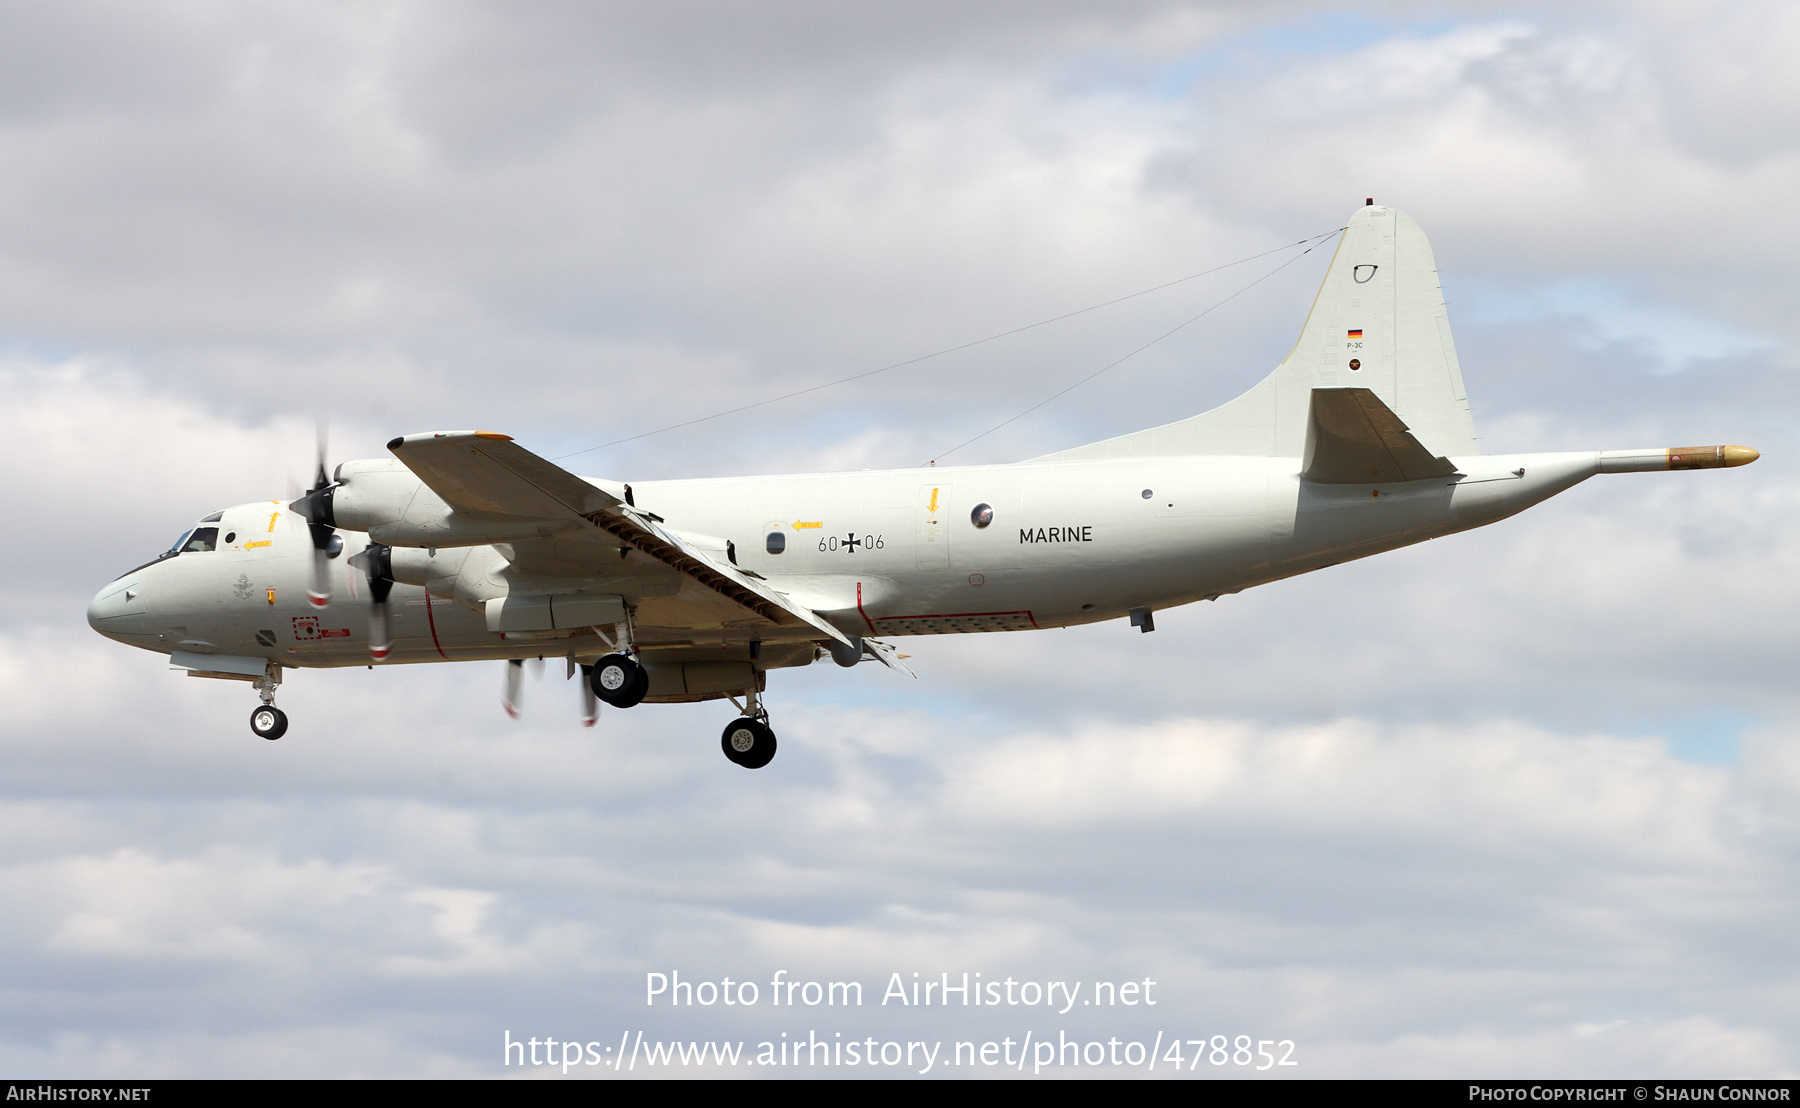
(384,498)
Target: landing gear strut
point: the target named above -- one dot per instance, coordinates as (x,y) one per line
(748,741)
(268,721)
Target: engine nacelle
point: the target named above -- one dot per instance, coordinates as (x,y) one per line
(382,497)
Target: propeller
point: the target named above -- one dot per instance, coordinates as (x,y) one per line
(315,508)
(590,704)
(377,562)
(509,692)
(515,672)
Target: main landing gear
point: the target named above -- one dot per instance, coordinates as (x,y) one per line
(749,742)
(268,721)
(620,681)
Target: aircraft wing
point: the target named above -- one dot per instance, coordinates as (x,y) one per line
(484,474)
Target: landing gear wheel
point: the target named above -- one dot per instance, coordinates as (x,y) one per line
(748,742)
(269,722)
(620,681)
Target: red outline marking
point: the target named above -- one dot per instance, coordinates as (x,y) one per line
(859,608)
(432,620)
(968,615)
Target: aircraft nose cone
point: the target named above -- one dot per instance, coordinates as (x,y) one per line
(118,611)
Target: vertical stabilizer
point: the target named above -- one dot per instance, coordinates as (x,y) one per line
(1378,323)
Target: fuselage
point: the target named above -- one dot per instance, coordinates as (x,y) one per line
(884,553)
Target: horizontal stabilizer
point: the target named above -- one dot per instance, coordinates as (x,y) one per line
(1355,439)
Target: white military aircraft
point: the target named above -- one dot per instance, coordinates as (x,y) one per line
(465,545)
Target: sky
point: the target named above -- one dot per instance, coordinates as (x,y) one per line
(1519,802)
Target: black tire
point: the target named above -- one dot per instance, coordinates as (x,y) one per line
(748,743)
(269,722)
(620,681)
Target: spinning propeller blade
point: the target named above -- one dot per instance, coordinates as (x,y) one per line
(590,704)
(377,563)
(509,693)
(315,506)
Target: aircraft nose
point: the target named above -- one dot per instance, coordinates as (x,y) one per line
(118,611)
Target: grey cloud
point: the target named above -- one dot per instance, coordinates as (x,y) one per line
(1476,892)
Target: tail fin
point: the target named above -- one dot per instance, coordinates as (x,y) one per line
(1378,323)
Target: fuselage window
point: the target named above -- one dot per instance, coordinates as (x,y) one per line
(777,542)
(201,539)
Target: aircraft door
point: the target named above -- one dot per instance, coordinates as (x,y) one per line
(932,546)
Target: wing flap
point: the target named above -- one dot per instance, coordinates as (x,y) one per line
(1355,439)
(637,530)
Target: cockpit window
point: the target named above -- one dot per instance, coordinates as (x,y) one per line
(199,539)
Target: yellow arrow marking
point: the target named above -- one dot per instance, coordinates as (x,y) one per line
(803,526)
(273,516)
(932,507)
(265,542)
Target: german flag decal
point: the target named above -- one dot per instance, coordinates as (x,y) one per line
(1356,334)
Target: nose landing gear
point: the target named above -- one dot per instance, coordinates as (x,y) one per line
(268,721)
